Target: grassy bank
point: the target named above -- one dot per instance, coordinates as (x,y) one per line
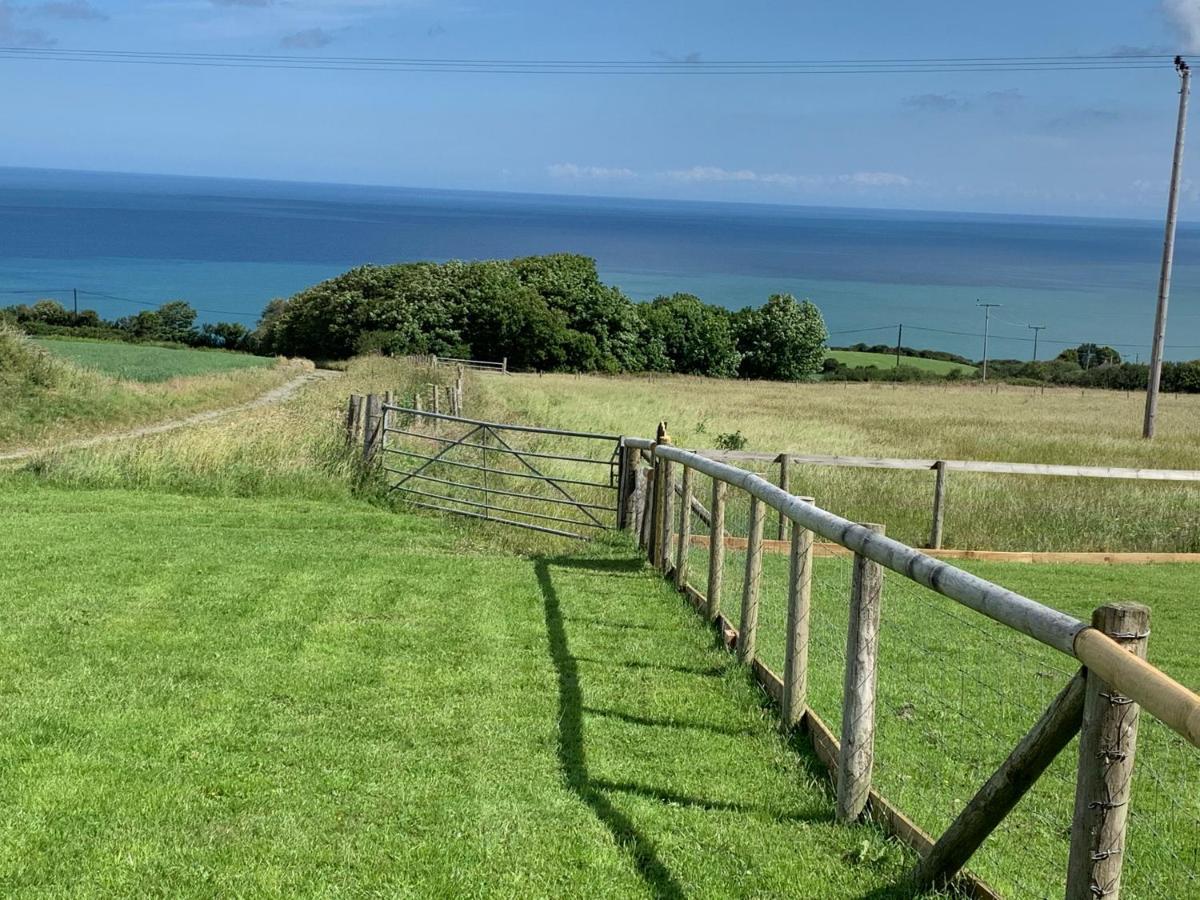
(146,362)
(291,698)
(44,398)
(1001,512)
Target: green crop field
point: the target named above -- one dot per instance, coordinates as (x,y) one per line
(146,362)
(855,358)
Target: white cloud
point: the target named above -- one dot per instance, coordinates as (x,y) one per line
(715,174)
(599,173)
(308,39)
(1184,15)
(12,34)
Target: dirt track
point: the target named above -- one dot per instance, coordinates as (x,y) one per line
(276,395)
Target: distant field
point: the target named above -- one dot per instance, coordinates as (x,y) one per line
(854,358)
(144,362)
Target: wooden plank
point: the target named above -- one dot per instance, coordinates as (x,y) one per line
(857,758)
(784,485)
(685,531)
(961,465)
(823,549)
(1107,744)
(666,526)
(1011,781)
(748,623)
(716,556)
(799,610)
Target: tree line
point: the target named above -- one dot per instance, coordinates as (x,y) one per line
(543,313)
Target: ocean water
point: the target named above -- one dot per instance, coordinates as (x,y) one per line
(229,246)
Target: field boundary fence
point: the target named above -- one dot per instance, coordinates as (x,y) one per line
(474,365)
(941,469)
(1099,702)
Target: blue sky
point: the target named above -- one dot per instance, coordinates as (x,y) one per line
(1086,142)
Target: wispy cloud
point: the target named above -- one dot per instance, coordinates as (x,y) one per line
(13,34)
(716,174)
(1184,17)
(1088,117)
(936,102)
(308,39)
(693,57)
(70,10)
(573,171)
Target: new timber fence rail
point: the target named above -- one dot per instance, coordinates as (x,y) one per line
(1100,701)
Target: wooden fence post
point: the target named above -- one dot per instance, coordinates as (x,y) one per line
(372,429)
(646,516)
(664,505)
(458,390)
(1107,742)
(939,505)
(353,417)
(795,660)
(857,755)
(748,626)
(418,419)
(504,365)
(684,545)
(716,549)
(784,481)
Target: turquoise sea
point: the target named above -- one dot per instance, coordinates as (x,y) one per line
(228,246)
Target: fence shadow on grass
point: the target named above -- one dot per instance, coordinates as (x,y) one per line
(572,756)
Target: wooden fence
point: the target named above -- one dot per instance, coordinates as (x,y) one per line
(475,365)
(1100,701)
(941,468)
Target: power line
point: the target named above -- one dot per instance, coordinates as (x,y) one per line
(106,296)
(595,67)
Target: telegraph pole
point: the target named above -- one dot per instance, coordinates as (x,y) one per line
(1168,257)
(1036,329)
(987,321)
(75,300)
(899,341)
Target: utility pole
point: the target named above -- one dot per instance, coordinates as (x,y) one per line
(1036,329)
(899,341)
(1168,257)
(75,300)
(987,315)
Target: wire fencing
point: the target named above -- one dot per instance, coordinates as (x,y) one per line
(951,698)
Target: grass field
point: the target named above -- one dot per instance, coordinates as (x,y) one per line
(359,674)
(45,398)
(984,511)
(855,358)
(291,698)
(145,362)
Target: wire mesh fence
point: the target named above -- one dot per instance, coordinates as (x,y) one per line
(956,691)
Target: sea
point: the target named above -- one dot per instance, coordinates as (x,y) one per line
(118,243)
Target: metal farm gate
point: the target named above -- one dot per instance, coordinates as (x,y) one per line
(545,479)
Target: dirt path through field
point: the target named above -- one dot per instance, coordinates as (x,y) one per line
(274,396)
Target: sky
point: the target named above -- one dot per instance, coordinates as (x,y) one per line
(1064,143)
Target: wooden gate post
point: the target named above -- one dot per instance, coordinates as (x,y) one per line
(664,504)
(458,389)
(418,419)
(646,517)
(748,626)
(716,549)
(372,428)
(857,755)
(1107,742)
(353,417)
(684,545)
(784,481)
(939,505)
(795,660)
(627,487)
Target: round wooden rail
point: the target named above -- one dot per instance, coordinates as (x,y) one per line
(1172,703)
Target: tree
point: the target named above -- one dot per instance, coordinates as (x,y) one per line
(229,335)
(783,340)
(177,322)
(1089,356)
(51,312)
(695,338)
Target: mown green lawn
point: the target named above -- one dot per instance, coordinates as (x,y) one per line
(225,697)
(146,362)
(855,358)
